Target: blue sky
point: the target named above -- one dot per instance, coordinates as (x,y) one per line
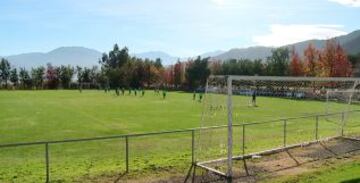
(178,27)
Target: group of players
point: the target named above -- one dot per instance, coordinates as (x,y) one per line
(141,92)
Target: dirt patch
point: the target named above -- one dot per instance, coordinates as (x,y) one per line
(294,161)
(303,159)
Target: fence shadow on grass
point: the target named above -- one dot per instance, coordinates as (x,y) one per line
(356,180)
(257,169)
(334,149)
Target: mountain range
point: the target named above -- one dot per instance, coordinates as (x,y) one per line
(63,55)
(350,42)
(152,55)
(84,57)
(88,57)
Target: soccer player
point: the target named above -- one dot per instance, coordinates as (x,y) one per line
(200,97)
(253,101)
(164,94)
(123,91)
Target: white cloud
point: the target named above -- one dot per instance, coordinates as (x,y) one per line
(219,2)
(353,3)
(287,34)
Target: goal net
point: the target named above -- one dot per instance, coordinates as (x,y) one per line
(243,115)
(335,100)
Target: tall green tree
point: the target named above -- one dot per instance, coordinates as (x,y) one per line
(25,79)
(79,73)
(14,79)
(355,62)
(197,73)
(4,71)
(278,62)
(178,74)
(116,65)
(37,75)
(158,63)
(86,75)
(258,67)
(139,74)
(65,75)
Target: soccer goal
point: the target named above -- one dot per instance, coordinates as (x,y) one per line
(244,116)
(341,97)
(335,100)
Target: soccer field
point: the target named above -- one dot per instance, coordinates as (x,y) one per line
(53,115)
(27,116)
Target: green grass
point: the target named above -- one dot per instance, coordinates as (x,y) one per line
(337,173)
(55,115)
(50,115)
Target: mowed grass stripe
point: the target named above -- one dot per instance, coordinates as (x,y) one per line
(27,116)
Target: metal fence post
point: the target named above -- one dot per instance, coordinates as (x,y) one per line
(127,153)
(192,146)
(317,128)
(243,140)
(230,128)
(47,162)
(285,132)
(342,123)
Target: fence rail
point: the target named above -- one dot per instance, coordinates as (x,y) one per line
(191,131)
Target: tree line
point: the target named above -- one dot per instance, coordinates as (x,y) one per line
(330,61)
(118,69)
(48,77)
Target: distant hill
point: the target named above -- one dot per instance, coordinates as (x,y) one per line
(258,52)
(88,57)
(61,56)
(212,54)
(350,42)
(152,55)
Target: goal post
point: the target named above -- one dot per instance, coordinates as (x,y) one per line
(280,104)
(230,129)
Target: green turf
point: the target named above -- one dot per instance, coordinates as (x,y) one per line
(49,115)
(56,115)
(338,173)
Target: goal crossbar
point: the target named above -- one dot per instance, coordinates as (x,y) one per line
(281,78)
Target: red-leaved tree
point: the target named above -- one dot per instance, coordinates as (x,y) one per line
(333,61)
(311,56)
(296,65)
(168,76)
(342,66)
(327,59)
